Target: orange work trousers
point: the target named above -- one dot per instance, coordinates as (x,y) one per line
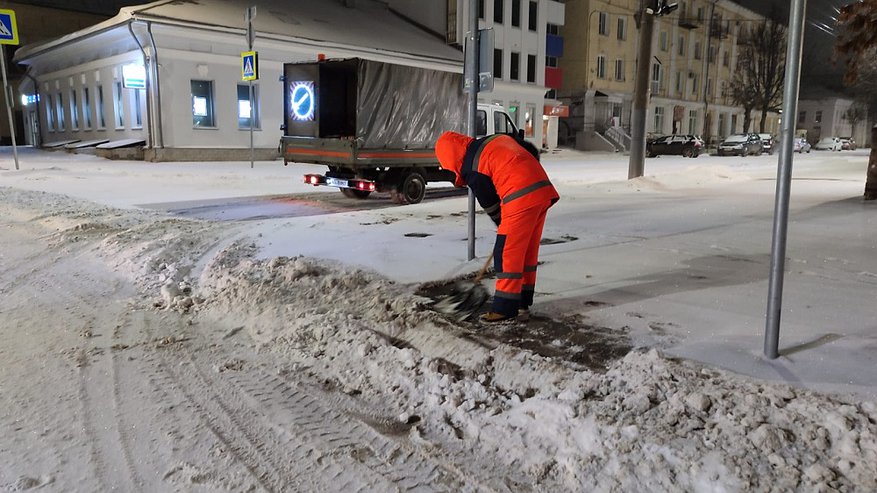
(515,256)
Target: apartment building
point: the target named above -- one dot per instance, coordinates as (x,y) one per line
(527,50)
(694,55)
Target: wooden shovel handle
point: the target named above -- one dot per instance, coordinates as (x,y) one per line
(484,269)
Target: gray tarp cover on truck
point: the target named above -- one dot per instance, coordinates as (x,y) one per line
(406,107)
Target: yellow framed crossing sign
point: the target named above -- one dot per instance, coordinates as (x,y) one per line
(249,65)
(8,27)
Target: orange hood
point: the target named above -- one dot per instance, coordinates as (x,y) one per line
(450,149)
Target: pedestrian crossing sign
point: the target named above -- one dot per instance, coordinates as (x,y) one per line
(249,65)
(8,28)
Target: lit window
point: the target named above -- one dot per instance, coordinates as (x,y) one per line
(50,113)
(99,93)
(60,112)
(246,112)
(136,109)
(202,103)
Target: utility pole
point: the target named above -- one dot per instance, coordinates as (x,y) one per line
(649,9)
(470,68)
(706,71)
(646,23)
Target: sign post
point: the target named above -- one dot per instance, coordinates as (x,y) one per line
(250,73)
(8,36)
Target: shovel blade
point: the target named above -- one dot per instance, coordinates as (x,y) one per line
(465,299)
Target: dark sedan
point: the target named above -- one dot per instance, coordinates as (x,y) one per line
(741,145)
(675,145)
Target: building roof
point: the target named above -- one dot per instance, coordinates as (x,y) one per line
(366,24)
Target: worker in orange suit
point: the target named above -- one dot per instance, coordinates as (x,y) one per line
(513,188)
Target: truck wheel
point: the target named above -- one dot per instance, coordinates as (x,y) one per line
(411,190)
(352,193)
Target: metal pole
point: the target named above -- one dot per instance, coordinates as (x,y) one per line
(471,75)
(7,92)
(636,165)
(251,13)
(784,178)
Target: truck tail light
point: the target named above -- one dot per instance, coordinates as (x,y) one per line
(313,179)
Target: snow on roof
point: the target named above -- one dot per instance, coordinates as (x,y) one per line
(368,23)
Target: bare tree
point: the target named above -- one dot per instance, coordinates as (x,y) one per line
(857,42)
(740,90)
(758,81)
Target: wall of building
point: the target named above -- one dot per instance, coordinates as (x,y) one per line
(688,79)
(35,24)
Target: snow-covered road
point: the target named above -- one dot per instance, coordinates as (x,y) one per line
(147,351)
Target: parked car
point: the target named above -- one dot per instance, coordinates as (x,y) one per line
(767,143)
(741,145)
(828,144)
(675,145)
(847,144)
(801,145)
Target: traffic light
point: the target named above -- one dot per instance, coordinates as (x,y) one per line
(663,8)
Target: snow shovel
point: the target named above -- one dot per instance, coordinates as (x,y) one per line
(466,297)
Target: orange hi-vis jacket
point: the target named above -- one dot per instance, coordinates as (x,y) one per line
(514,190)
(497,169)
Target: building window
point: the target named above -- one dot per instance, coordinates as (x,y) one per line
(202,103)
(692,122)
(497,64)
(246,112)
(619,69)
(697,50)
(136,109)
(74,110)
(481,9)
(60,112)
(603,24)
(551,61)
(802,115)
(659,120)
(515,67)
(513,112)
(601,67)
(656,77)
(663,41)
(120,110)
(99,106)
(553,29)
(711,54)
(86,108)
(726,58)
(678,82)
(681,45)
(50,113)
(531,68)
(533,18)
(516,13)
(529,118)
(709,87)
(818,117)
(622,28)
(694,84)
(497,11)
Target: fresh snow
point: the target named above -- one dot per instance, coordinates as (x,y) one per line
(154,342)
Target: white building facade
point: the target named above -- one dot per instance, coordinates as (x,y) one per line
(170,74)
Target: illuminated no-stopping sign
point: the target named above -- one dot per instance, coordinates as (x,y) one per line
(301,100)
